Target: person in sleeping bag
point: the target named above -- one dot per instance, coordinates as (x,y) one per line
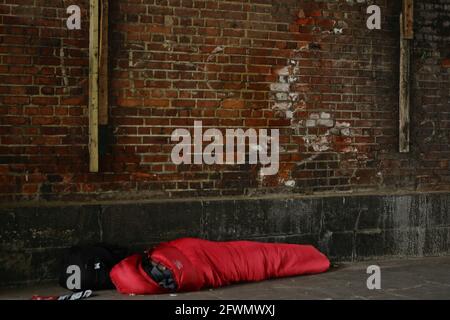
(191,264)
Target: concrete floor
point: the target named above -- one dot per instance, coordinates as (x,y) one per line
(427,278)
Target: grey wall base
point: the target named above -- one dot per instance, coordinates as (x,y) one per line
(346,228)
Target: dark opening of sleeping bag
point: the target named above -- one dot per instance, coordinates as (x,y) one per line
(193,264)
(160,274)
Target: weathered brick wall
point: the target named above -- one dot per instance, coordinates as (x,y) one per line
(309,68)
(431,126)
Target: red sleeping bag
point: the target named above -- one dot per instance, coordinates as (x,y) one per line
(197,264)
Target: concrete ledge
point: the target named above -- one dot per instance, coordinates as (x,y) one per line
(346,228)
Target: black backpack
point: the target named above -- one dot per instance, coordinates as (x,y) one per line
(88,267)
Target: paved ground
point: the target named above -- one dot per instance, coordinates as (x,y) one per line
(427,278)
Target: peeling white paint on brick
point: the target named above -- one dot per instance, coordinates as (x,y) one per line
(277,87)
(310,123)
(289,114)
(322,143)
(342,124)
(325,115)
(285,100)
(325,123)
(290,184)
(216,51)
(317,143)
(345,132)
(284,106)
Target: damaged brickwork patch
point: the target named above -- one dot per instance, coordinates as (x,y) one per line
(286,101)
(327,141)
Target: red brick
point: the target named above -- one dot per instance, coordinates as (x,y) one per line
(129,102)
(233,104)
(446,63)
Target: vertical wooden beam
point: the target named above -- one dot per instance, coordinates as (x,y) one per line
(93,85)
(408,19)
(404,101)
(103,80)
(406,36)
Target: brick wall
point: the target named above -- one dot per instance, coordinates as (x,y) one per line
(309,68)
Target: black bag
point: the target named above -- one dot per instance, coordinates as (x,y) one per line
(88,267)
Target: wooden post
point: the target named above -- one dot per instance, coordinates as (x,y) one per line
(93,85)
(408,19)
(406,36)
(103,80)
